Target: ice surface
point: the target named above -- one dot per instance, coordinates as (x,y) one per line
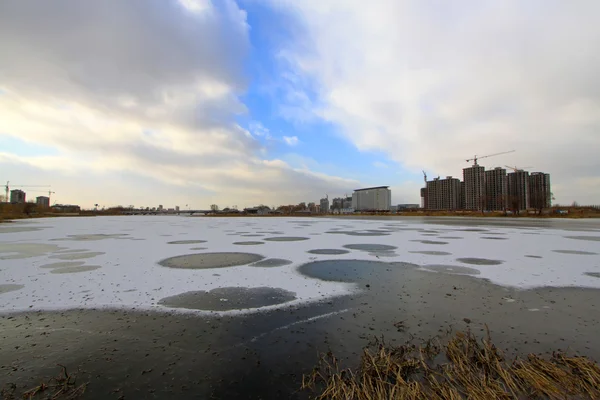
(130,275)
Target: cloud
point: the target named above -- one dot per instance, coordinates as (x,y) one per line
(149,89)
(291,140)
(379,164)
(432,84)
(257,129)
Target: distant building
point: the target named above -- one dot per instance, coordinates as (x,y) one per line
(377,198)
(312,207)
(407,206)
(496,189)
(66,208)
(444,194)
(540,194)
(518,190)
(160,207)
(43,201)
(177,208)
(424,197)
(337,204)
(474,178)
(17,196)
(324,205)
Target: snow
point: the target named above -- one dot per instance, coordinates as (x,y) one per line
(129,275)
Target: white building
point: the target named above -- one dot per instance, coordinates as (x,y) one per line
(372,199)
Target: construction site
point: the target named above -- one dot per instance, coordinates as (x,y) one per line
(489,190)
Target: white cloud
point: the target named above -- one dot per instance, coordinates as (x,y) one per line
(379,164)
(431,84)
(257,129)
(144,88)
(291,140)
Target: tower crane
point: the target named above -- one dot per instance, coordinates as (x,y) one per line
(489,155)
(516,169)
(7,188)
(425,178)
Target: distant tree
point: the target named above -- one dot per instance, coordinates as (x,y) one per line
(214,207)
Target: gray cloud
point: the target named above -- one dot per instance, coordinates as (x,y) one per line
(141,88)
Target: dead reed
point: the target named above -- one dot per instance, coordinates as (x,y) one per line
(463,368)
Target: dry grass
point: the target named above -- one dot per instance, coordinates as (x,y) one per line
(63,387)
(464,368)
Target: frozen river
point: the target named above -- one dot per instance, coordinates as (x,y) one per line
(243,306)
(211,264)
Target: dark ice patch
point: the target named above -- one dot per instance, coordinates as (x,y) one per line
(286,239)
(479,261)
(210,260)
(229,298)
(328,251)
(272,262)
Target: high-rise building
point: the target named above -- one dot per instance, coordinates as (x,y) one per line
(377,198)
(444,194)
(17,196)
(324,205)
(496,189)
(474,178)
(518,190)
(43,201)
(540,194)
(424,197)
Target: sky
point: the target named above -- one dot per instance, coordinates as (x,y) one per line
(240,103)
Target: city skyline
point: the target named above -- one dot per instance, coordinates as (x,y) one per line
(237,102)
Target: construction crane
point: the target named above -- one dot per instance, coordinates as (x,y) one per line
(516,169)
(489,155)
(425,178)
(7,188)
(50,192)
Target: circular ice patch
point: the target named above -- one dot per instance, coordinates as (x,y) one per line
(589,238)
(286,239)
(354,233)
(494,238)
(63,264)
(187,242)
(531,256)
(249,243)
(229,298)
(94,237)
(370,247)
(432,253)
(592,274)
(328,251)
(5,288)
(349,270)
(429,241)
(73,270)
(479,261)
(583,253)
(76,256)
(210,260)
(452,269)
(272,262)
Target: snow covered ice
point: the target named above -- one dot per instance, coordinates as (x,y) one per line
(98,262)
